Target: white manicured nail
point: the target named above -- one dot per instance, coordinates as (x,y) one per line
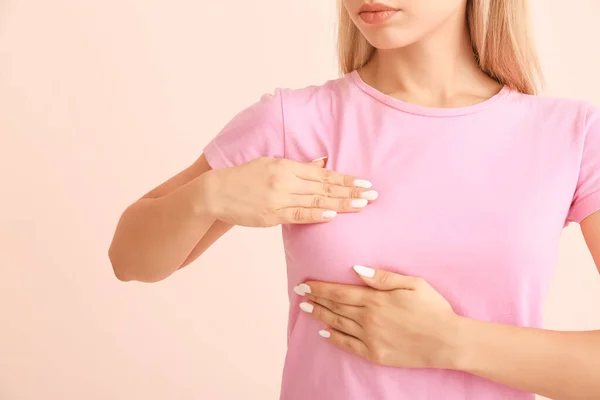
(325,334)
(359,203)
(307,307)
(364,271)
(369,195)
(302,289)
(361,183)
(329,214)
(319,159)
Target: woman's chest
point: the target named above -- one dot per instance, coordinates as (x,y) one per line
(441,211)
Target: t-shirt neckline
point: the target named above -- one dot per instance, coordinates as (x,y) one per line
(423,110)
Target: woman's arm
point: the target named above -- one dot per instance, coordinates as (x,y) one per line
(166,229)
(558,365)
(175,223)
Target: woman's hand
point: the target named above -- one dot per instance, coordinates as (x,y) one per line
(398,321)
(268,192)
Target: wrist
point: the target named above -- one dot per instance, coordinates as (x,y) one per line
(457,343)
(205,198)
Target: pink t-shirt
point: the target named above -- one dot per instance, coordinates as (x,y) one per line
(472,199)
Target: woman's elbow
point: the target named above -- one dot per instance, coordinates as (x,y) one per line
(126,271)
(119,268)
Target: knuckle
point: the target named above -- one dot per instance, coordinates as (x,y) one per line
(276,174)
(385,278)
(419,283)
(352,346)
(355,193)
(374,299)
(318,202)
(273,166)
(370,319)
(279,163)
(318,313)
(327,176)
(327,189)
(335,307)
(377,299)
(274,181)
(335,295)
(377,355)
(298,215)
(338,322)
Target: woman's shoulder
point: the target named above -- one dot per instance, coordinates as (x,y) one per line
(303,95)
(553,106)
(309,104)
(574,117)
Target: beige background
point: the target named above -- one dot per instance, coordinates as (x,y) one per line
(100,101)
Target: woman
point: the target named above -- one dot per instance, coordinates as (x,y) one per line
(421,240)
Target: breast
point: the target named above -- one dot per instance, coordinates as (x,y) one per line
(452,233)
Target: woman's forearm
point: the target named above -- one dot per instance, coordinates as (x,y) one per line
(155,236)
(558,365)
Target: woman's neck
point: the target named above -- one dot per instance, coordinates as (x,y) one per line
(438,71)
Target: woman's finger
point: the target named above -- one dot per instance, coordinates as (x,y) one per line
(346,342)
(303,215)
(317,174)
(352,312)
(338,322)
(331,190)
(328,203)
(352,295)
(312,173)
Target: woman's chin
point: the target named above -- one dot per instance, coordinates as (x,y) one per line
(390,38)
(387,43)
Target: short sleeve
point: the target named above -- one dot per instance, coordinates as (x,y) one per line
(586,200)
(256,131)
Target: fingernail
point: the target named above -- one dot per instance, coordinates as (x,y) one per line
(361,183)
(369,195)
(359,203)
(319,159)
(329,214)
(325,334)
(307,307)
(364,271)
(302,289)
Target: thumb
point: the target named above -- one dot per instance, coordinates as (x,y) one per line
(319,162)
(384,280)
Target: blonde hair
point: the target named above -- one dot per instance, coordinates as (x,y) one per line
(500,36)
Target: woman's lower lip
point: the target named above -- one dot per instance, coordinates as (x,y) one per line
(377,17)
